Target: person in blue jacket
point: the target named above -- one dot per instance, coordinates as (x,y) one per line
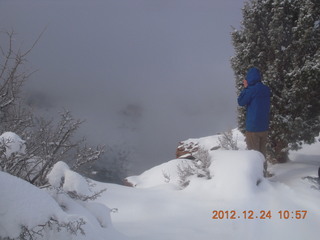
(256,97)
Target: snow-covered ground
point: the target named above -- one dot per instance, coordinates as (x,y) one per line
(234,202)
(59,211)
(157,208)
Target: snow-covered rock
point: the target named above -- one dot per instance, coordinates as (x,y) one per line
(188,148)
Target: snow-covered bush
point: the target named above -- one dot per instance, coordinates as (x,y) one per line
(12,144)
(63,180)
(228,141)
(61,210)
(199,167)
(13,157)
(48,141)
(185,170)
(202,163)
(33,159)
(52,143)
(28,212)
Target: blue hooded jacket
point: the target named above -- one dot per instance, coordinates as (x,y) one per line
(256,97)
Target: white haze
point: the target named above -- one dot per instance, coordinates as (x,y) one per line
(142,73)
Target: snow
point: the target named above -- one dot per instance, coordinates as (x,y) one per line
(61,175)
(159,208)
(155,176)
(236,173)
(19,201)
(12,143)
(57,211)
(24,205)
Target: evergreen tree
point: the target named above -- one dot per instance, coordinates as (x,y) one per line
(282,39)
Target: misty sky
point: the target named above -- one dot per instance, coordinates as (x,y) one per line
(142,73)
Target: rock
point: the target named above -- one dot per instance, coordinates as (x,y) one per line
(186,150)
(127,183)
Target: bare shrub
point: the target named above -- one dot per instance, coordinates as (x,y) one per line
(166,176)
(72,227)
(185,170)
(47,142)
(202,162)
(198,167)
(228,142)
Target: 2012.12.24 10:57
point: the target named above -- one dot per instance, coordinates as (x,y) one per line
(263,214)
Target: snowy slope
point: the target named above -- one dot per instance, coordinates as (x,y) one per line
(234,202)
(157,208)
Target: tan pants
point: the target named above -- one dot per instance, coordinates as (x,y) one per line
(258,141)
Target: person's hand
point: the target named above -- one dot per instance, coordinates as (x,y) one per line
(245,83)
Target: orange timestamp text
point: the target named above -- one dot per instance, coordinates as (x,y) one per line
(263,214)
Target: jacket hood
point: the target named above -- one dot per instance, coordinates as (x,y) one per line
(253,76)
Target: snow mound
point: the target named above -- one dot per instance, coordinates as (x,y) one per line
(234,173)
(168,173)
(51,213)
(70,181)
(63,209)
(22,204)
(164,174)
(237,173)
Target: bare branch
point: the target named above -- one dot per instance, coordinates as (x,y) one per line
(34,43)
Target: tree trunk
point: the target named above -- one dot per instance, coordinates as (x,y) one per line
(279,151)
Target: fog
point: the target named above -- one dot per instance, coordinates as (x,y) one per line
(144,74)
